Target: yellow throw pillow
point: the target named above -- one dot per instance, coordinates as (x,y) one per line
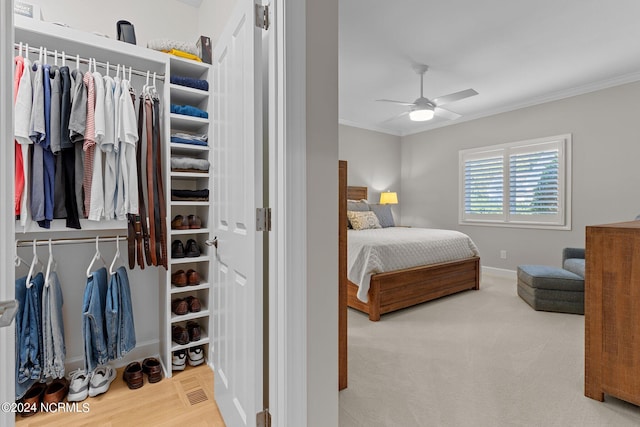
(363,220)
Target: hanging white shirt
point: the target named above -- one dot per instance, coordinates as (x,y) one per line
(108,146)
(99,113)
(128,135)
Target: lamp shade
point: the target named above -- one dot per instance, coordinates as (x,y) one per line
(389,198)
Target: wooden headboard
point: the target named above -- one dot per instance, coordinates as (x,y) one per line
(357,193)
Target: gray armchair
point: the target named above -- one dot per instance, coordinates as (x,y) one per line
(573,260)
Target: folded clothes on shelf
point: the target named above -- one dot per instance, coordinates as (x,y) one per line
(189,164)
(189,110)
(188,141)
(190,82)
(182,54)
(168,44)
(190,195)
(186,135)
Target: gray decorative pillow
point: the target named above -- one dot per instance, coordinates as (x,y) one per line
(363,220)
(383,212)
(357,205)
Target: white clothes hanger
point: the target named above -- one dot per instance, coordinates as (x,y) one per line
(107,71)
(18,261)
(115,257)
(34,263)
(129,74)
(51,266)
(26,51)
(117,71)
(55,57)
(96,257)
(77,62)
(20,49)
(64,59)
(40,55)
(44,58)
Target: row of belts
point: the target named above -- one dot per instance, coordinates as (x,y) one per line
(151,240)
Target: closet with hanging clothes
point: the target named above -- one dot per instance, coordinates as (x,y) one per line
(89,161)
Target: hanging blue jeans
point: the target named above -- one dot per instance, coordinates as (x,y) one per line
(121,335)
(53,329)
(21,296)
(30,353)
(93,322)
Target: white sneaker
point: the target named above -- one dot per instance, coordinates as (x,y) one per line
(196,356)
(78,386)
(101,379)
(178,360)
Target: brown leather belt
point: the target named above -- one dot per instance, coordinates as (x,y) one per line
(161,240)
(153,205)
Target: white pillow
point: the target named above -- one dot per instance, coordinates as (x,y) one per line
(363,220)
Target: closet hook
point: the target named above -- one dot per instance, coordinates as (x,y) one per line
(34,263)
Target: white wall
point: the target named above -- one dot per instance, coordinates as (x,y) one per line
(322,209)
(212,17)
(606,176)
(151,18)
(373,161)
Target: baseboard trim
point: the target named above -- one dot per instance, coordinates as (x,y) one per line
(140,352)
(499,272)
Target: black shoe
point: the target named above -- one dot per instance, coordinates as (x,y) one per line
(177,249)
(192,249)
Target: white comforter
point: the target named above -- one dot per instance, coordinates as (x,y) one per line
(396,248)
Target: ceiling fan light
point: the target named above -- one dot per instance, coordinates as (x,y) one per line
(421,115)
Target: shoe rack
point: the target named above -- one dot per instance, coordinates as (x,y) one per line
(182,95)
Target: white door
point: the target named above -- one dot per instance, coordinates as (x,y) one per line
(7,288)
(237,350)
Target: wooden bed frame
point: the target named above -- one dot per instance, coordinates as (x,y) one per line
(399,289)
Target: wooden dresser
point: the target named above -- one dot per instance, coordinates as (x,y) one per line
(612,311)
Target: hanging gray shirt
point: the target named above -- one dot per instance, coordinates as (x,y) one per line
(78,116)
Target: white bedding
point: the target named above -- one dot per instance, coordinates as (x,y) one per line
(396,248)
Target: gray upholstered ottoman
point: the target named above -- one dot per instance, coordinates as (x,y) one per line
(551,289)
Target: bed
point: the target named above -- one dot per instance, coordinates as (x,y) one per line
(402,288)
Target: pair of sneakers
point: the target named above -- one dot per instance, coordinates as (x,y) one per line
(194,355)
(83,384)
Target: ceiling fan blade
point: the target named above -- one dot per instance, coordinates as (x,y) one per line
(396,102)
(446,99)
(395,117)
(446,114)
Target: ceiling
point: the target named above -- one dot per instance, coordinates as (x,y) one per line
(514,53)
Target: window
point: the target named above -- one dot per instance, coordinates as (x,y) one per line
(523,184)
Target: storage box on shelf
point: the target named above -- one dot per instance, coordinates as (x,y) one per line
(190,180)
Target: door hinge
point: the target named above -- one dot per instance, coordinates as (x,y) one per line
(262,16)
(263,418)
(263,219)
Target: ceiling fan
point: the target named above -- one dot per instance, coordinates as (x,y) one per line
(423,109)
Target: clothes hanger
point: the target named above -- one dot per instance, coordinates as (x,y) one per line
(145,88)
(55,57)
(26,51)
(51,266)
(96,257)
(40,55)
(34,264)
(115,257)
(17,259)
(77,62)
(64,59)
(107,71)
(20,49)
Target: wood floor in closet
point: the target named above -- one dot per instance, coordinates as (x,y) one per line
(186,399)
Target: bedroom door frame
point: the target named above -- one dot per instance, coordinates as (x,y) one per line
(7,223)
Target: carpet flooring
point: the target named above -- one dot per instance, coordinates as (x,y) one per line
(478,358)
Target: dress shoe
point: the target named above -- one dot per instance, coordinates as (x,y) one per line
(151,366)
(179,335)
(192,250)
(179,306)
(177,249)
(56,391)
(179,223)
(194,221)
(133,375)
(193,278)
(194,331)
(32,399)
(193,304)
(179,278)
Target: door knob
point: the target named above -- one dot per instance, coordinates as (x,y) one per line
(213,242)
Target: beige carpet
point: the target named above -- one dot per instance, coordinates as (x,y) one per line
(479,358)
